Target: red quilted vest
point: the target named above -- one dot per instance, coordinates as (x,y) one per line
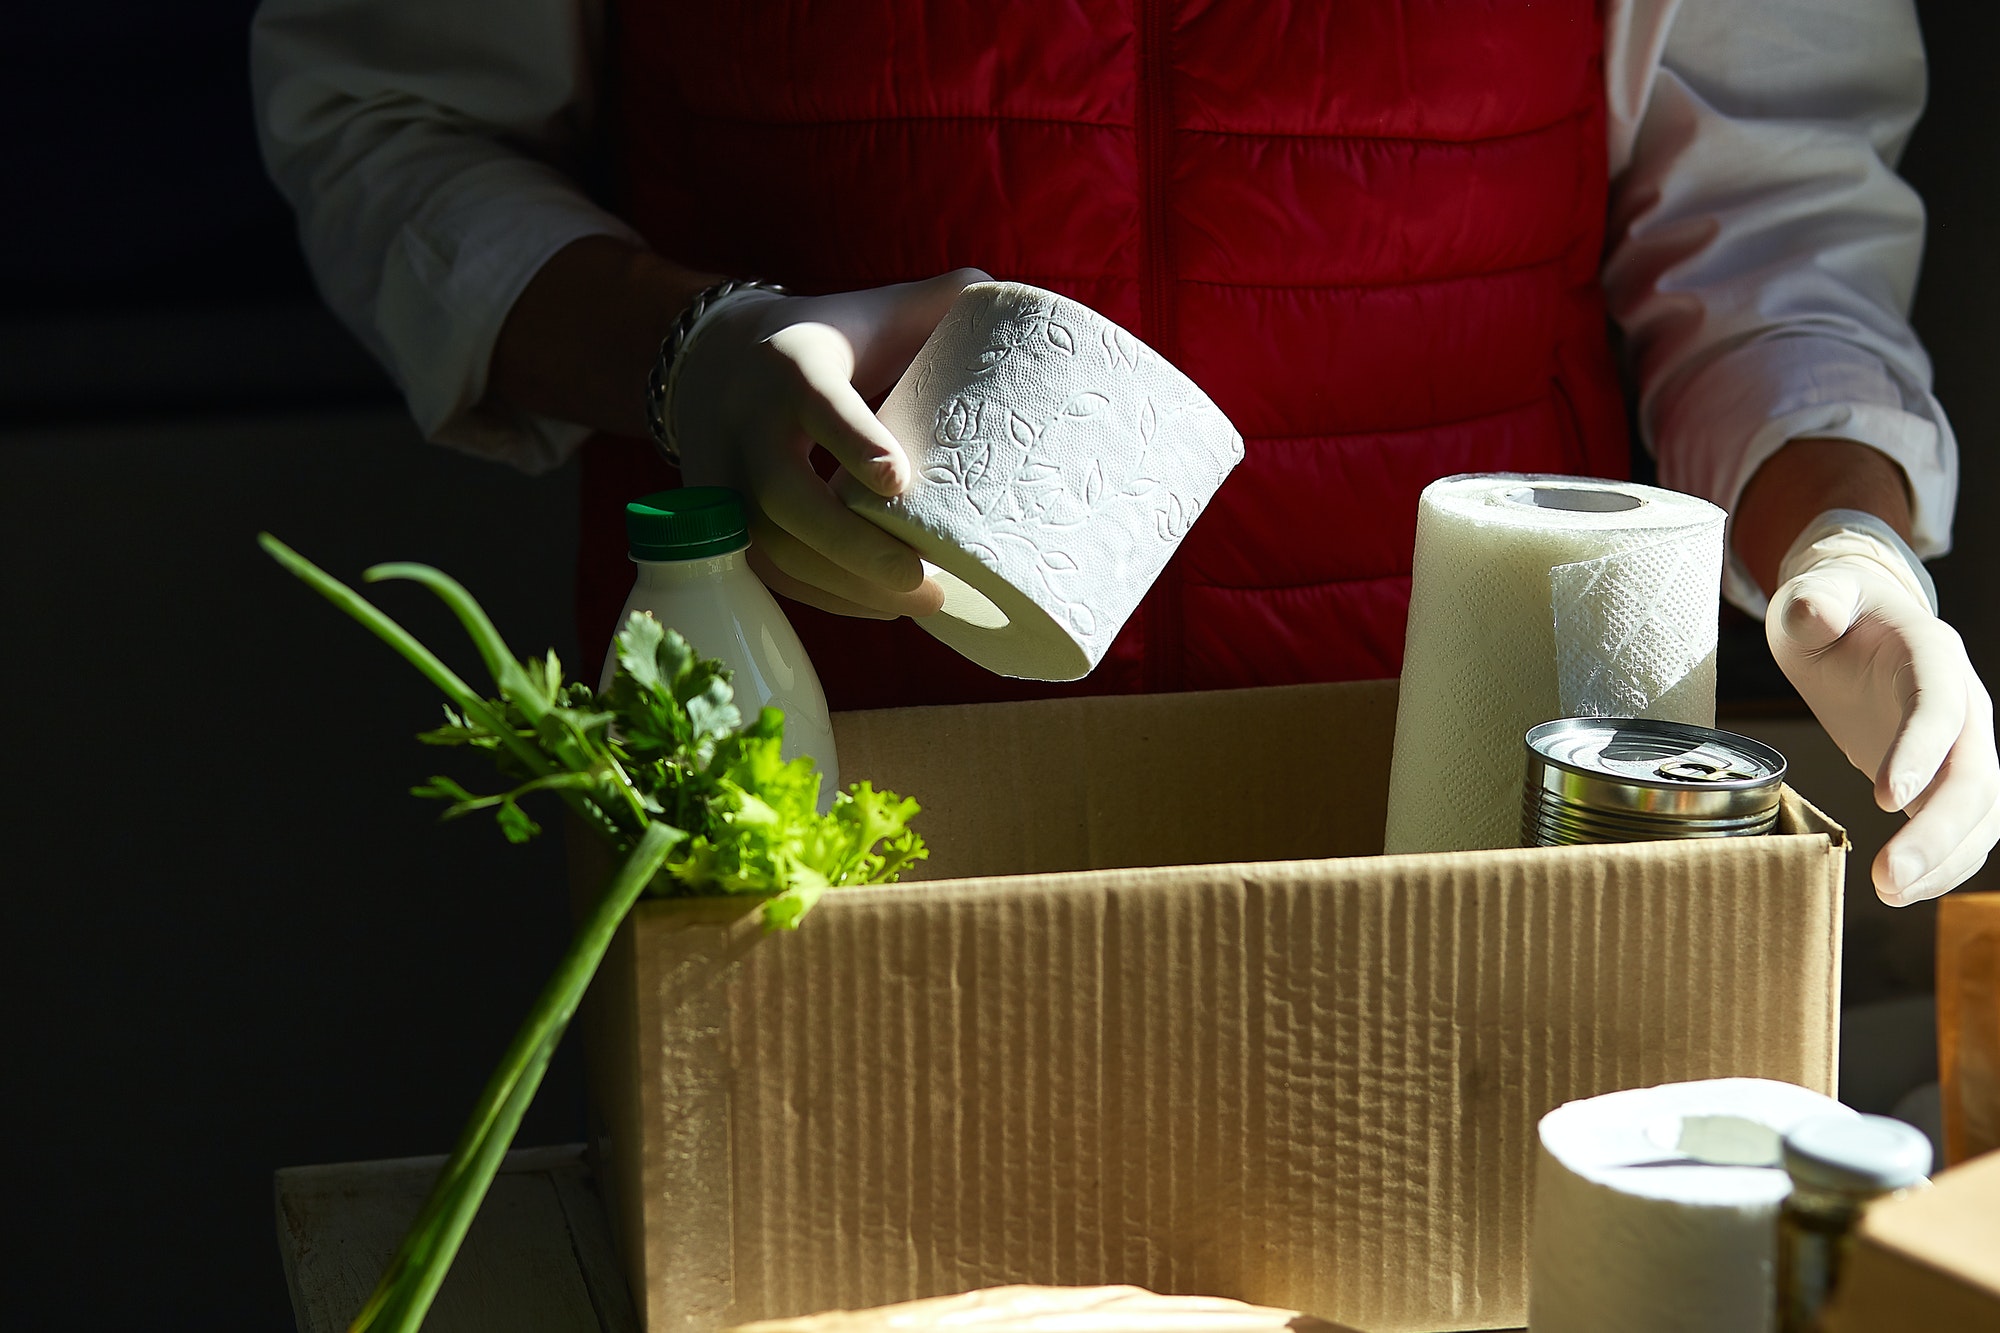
(1370,230)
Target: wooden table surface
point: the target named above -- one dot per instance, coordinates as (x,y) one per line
(539,1257)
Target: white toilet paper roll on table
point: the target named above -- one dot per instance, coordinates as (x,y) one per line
(1656,1209)
(1535,598)
(1058,462)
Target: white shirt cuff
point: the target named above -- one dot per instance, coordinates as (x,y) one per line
(452,274)
(1715,429)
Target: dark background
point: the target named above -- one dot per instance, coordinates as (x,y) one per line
(231,942)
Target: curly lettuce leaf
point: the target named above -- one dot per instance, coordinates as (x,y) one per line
(667,735)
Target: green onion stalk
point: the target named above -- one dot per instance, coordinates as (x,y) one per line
(665,739)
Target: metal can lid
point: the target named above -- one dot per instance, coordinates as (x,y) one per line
(1858,1154)
(1656,753)
(1653,769)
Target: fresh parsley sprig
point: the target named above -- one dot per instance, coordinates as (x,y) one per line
(664,768)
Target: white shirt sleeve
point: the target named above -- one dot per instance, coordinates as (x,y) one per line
(1762,251)
(431,151)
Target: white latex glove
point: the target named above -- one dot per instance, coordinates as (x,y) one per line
(1853,626)
(765,377)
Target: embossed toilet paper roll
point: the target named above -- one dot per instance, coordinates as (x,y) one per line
(1656,1209)
(1535,598)
(1058,462)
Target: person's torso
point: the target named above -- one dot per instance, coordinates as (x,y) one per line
(1370,231)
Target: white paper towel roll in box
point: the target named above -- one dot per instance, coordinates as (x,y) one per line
(1656,1209)
(1058,462)
(1536,598)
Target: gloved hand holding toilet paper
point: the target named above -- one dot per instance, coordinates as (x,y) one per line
(1029,476)
(764,378)
(1854,626)
(1057,462)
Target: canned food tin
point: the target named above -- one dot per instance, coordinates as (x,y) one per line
(1624,779)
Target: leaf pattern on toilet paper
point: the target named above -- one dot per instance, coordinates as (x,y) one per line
(1052,563)
(1093,483)
(1028,321)
(1054,509)
(1034,495)
(1173,522)
(1061,473)
(1024,432)
(958,421)
(1083,406)
(1009,536)
(1121,349)
(1138,483)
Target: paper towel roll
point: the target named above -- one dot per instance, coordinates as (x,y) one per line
(1656,1209)
(1058,462)
(1535,598)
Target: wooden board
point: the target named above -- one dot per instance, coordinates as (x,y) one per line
(538,1259)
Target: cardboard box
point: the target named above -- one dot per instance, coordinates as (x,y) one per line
(1968,1000)
(1277,1067)
(1929,1260)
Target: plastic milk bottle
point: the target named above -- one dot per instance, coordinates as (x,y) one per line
(694,577)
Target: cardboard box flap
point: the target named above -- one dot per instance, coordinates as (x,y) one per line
(1797,815)
(1927,1260)
(1954,1226)
(1288,772)
(1279,773)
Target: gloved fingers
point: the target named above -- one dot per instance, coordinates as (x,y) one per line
(1812,611)
(1955,823)
(800,568)
(838,418)
(906,315)
(783,584)
(1931,689)
(1958,864)
(793,497)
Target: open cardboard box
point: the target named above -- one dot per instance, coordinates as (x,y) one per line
(1171,1020)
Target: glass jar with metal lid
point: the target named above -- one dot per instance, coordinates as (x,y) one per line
(1624,779)
(1839,1164)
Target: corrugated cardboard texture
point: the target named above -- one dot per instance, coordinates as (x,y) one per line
(1310,1084)
(1146,780)
(1968,995)
(1929,1260)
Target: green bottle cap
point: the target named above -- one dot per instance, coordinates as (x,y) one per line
(688,524)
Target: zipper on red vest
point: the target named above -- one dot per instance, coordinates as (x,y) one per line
(1153,133)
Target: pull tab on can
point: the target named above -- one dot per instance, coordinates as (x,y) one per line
(1623,779)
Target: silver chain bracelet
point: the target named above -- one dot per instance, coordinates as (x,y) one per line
(666,367)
